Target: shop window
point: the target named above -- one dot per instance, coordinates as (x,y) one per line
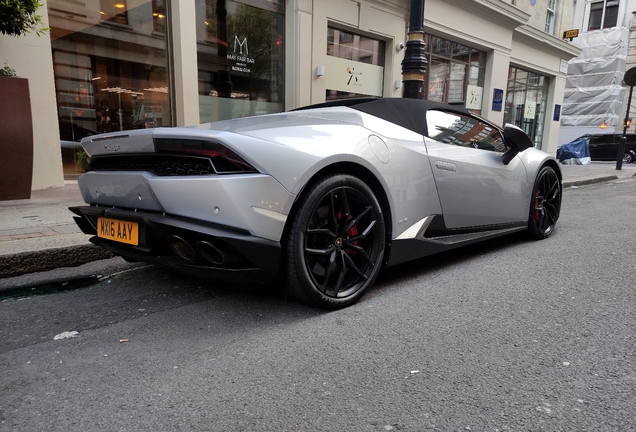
(452,67)
(440,47)
(525,104)
(114,11)
(457,82)
(535,79)
(240,58)
(354,65)
(271,5)
(159,15)
(345,38)
(110,67)
(603,14)
(438,72)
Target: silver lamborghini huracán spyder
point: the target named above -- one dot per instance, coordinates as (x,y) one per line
(324,196)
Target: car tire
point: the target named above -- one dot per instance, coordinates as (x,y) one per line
(335,244)
(545,203)
(628,157)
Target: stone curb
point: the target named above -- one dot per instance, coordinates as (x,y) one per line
(49,259)
(570,183)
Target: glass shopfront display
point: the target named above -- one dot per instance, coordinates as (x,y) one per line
(452,67)
(110,66)
(526,102)
(240,58)
(354,65)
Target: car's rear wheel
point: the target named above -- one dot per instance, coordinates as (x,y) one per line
(335,243)
(628,157)
(545,205)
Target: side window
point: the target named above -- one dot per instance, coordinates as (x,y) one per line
(602,139)
(462,130)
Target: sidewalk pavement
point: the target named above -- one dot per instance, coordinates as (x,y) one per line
(39,234)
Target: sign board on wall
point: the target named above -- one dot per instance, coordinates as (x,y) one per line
(497,99)
(530,110)
(239,58)
(353,77)
(474,96)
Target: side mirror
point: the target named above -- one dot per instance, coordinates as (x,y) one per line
(516,140)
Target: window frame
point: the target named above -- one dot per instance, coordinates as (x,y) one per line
(550,19)
(596,22)
(443,56)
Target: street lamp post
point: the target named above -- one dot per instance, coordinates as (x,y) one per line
(630,80)
(414,62)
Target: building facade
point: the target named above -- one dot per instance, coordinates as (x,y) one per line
(595,98)
(110,65)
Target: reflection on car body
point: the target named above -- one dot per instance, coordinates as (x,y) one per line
(324,196)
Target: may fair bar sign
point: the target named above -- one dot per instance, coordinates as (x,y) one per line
(239,58)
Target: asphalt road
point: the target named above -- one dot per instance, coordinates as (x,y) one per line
(509,335)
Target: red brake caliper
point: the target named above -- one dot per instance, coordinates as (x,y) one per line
(353,231)
(537,215)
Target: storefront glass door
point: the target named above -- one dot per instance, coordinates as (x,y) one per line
(526,102)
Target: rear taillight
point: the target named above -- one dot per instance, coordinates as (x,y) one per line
(224,160)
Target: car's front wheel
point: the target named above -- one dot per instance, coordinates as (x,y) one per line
(545,205)
(629,157)
(335,243)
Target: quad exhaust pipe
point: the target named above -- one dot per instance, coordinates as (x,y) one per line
(206,249)
(211,252)
(181,248)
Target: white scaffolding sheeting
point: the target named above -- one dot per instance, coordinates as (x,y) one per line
(594,92)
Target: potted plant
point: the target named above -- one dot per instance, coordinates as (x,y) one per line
(16,136)
(17,18)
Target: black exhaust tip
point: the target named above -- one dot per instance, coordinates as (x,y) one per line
(181,248)
(211,252)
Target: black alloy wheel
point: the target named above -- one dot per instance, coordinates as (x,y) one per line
(335,244)
(545,205)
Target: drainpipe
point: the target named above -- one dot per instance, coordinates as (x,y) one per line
(414,63)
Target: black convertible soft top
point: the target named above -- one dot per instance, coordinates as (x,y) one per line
(408,113)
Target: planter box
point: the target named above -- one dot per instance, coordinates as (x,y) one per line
(16,139)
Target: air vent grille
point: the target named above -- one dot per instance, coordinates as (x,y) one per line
(159,164)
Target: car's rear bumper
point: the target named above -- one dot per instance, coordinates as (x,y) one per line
(202,249)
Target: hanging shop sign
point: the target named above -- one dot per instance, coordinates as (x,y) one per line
(570,34)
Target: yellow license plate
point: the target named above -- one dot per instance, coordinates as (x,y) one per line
(119,231)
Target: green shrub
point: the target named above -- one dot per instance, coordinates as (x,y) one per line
(7,71)
(82,160)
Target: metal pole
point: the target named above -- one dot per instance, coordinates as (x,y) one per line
(621,145)
(414,62)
